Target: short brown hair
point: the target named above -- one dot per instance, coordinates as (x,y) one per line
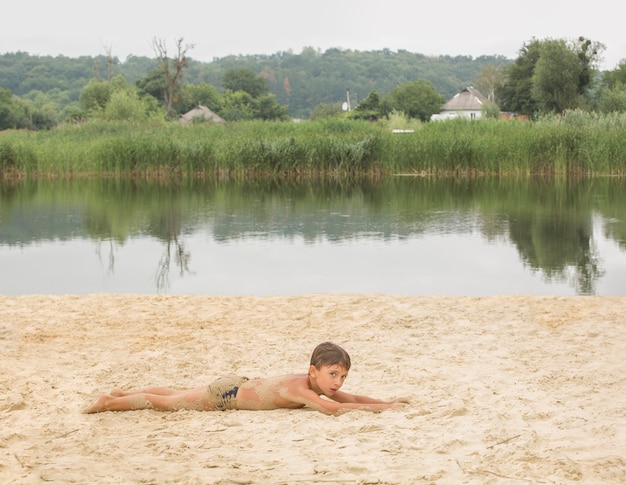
(328,353)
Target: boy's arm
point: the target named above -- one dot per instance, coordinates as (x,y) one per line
(345,397)
(348,401)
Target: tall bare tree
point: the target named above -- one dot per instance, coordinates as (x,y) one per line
(108,50)
(490,78)
(96,66)
(172,68)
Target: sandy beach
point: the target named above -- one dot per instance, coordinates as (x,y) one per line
(504,390)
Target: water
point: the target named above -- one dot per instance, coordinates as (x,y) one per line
(401,235)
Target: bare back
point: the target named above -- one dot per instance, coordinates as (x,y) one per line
(273,392)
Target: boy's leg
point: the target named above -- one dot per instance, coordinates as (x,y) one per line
(196,399)
(161,391)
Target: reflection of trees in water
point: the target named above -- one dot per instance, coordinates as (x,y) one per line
(167,226)
(110,258)
(615,229)
(561,248)
(174,246)
(587,272)
(548,221)
(181,257)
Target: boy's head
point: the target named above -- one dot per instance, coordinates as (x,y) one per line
(328,354)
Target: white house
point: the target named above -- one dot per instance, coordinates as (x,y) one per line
(467,103)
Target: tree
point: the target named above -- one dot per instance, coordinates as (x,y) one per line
(6,106)
(550,75)
(612,99)
(267,108)
(116,100)
(417,99)
(617,75)
(371,108)
(238,105)
(515,95)
(49,108)
(27,115)
(326,110)
(247,97)
(588,53)
(172,69)
(244,79)
(19,113)
(490,78)
(125,105)
(95,95)
(612,95)
(490,110)
(555,81)
(152,84)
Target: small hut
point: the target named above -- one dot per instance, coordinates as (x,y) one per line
(201,112)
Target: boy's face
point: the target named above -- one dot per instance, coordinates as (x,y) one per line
(328,378)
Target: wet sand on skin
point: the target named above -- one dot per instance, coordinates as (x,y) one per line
(510,389)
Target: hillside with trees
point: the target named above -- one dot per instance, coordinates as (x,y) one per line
(300,82)
(549,76)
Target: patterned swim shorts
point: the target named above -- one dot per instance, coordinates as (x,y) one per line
(223,391)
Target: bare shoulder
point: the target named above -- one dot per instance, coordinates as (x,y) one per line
(295,384)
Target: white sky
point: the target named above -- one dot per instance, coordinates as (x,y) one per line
(220,28)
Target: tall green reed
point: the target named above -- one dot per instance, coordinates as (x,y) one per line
(573,143)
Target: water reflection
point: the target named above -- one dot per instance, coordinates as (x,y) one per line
(554,226)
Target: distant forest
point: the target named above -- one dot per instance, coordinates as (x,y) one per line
(299,81)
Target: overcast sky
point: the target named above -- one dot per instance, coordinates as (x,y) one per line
(220,28)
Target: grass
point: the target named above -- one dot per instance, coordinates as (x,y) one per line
(576,143)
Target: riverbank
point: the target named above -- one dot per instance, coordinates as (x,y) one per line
(575,144)
(504,389)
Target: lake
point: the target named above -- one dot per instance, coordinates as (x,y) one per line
(400,235)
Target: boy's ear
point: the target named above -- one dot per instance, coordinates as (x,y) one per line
(312,370)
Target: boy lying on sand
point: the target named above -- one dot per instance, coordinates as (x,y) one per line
(327,372)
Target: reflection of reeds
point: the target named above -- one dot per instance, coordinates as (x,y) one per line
(575,143)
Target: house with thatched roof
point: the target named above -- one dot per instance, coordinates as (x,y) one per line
(467,103)
(201,113)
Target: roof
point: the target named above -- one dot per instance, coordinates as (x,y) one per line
(467,99)
(201,111)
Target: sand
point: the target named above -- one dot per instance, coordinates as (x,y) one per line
(504,390)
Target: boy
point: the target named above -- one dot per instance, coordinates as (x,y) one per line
(327,372)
